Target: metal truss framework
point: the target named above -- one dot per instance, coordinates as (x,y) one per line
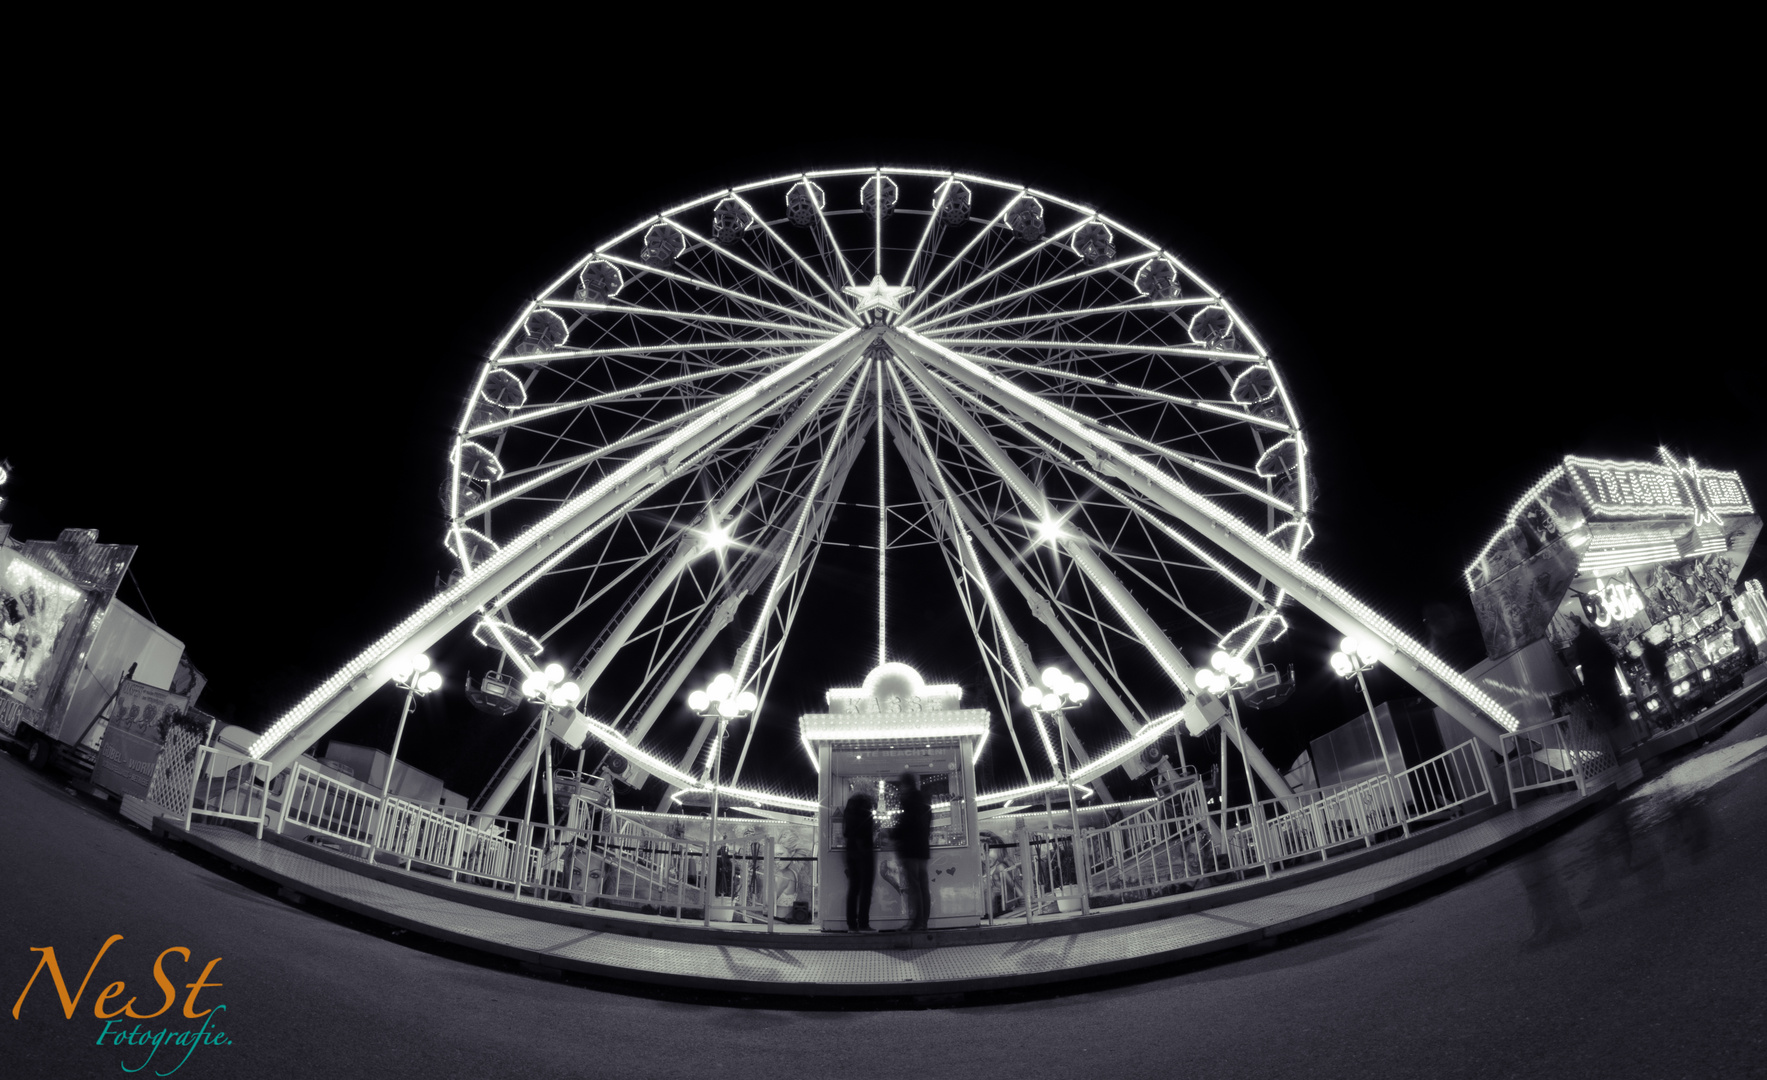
(651,457)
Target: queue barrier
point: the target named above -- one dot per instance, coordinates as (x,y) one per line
(230,786)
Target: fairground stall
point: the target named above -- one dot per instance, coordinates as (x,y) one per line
(1650,554)
(866,740)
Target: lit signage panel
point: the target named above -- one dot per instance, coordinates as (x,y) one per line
(1644,489)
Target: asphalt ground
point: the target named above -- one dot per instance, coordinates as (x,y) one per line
(1625,942)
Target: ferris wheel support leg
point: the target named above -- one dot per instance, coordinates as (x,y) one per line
(1077,548)
(1325,598)
(489,583)
(721,509)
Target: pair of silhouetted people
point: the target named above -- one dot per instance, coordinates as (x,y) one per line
(914,829)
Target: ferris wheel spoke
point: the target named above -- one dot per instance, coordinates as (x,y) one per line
(834,244)
(541,412)
(924,324)
(1212,469)
(741,297)
(650,350)
(1051,241)
(940,197)
(656,432)
(1229,410)
(966,527)
(1200,352)
(726,253)
(1076,313)
(833,293)
(963,253)
(682,316)
(746,657)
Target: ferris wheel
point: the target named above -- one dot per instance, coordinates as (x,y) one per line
(767,332)
(650,459)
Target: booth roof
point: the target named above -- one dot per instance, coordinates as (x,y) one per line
(893,727)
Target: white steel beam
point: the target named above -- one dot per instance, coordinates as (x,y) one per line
(1477,711)
(347,688)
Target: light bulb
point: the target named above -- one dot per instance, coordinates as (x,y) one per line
(534,684)
(1051,676)
(555,673)
(727,709)
(432,680)
(402,668)
(420,662)
(1340,664)
(699,701)
(1351,646)
(746,701)
(1051,703)
(721,687)
(717,537)
(1221,661)
(1031,697)
(571,692)
(1079,692)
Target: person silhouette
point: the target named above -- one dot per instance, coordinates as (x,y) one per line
(914,831)
(861,861)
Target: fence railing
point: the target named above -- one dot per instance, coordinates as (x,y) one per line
(1170,843)
(1563,750)
(597,856)
(1447,781)
(328,806)
(228,785)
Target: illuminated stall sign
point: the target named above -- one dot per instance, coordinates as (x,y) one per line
(1645,489)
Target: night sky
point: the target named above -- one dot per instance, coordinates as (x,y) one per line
(281,322)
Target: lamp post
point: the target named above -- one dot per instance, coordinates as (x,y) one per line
(1058,694)
(1225,676)
(412,675)
(721,700)
(1358,658)
(548,688)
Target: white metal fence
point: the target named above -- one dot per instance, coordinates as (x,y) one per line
(599,856)
(1564,750)
(1180,842)
(228,785)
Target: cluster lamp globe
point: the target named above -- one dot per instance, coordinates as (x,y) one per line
(1058,692)
(549,687)
(1225,672)
(413,673)
(1355,656)
(722,698)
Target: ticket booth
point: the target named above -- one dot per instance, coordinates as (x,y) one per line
(867,739)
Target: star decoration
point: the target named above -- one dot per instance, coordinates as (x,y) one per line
(879,294)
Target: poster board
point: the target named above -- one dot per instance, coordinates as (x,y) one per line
(130,751)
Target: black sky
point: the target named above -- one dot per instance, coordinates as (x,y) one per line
(252,340)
